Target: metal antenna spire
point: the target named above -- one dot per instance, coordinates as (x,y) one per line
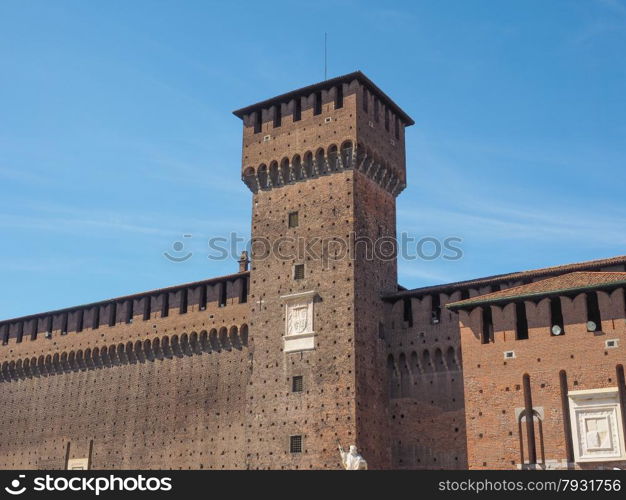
(325,56)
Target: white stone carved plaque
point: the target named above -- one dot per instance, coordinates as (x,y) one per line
(298,319)
(596,420)
(299,332)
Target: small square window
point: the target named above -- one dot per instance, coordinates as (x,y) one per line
(296,384)
(298,272)
(293,219)
(295,444)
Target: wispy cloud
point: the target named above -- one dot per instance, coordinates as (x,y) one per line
(486,204)
(68,219)
(519,222)
(76,225)
(425,272)
(170,169)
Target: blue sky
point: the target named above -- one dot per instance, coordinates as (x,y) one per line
(116,132)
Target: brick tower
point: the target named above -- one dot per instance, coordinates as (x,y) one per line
(324,164)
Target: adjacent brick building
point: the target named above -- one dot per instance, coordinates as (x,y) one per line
(557,348)
(316,344)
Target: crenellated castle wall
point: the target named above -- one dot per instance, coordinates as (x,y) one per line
(429,387)
(167,391)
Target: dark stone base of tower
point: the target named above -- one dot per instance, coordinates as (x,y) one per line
(317,345)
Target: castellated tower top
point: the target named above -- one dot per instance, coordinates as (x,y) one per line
(342,123)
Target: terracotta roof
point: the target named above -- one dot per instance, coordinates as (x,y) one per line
(326,84)
(565,283)
(515,276)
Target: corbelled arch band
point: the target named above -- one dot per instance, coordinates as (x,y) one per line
(406,370)
(140,351)
(324,161)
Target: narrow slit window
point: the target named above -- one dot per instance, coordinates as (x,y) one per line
(365,100)
(95,324)
(243,298)
(80,318)
(386,119)
(521,322)
(435,313)
(569,445)
(64,320)
(297,110)
(297,384)
(339,97)
(129,311)
(49,327)
(20,331)
(556,317)
(147,308)
(487,331)
(530,425)
(293,219)
(593,312)
(222,302)
(165,307)
(112,314)
(295,444)
(184,297)
(298,272)
(258,121)
(317,105)
(278,119)
(5,334)
(34,328)
(407,312)
(202,301)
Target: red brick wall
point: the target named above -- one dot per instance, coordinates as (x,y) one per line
(494,387)
(344,398)
(424,373)
(324,412)
(181,406)
(374,219)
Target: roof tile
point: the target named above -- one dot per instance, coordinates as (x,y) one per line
(515,276)
(582,280)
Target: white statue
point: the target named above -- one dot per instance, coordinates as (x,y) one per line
(351,460)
